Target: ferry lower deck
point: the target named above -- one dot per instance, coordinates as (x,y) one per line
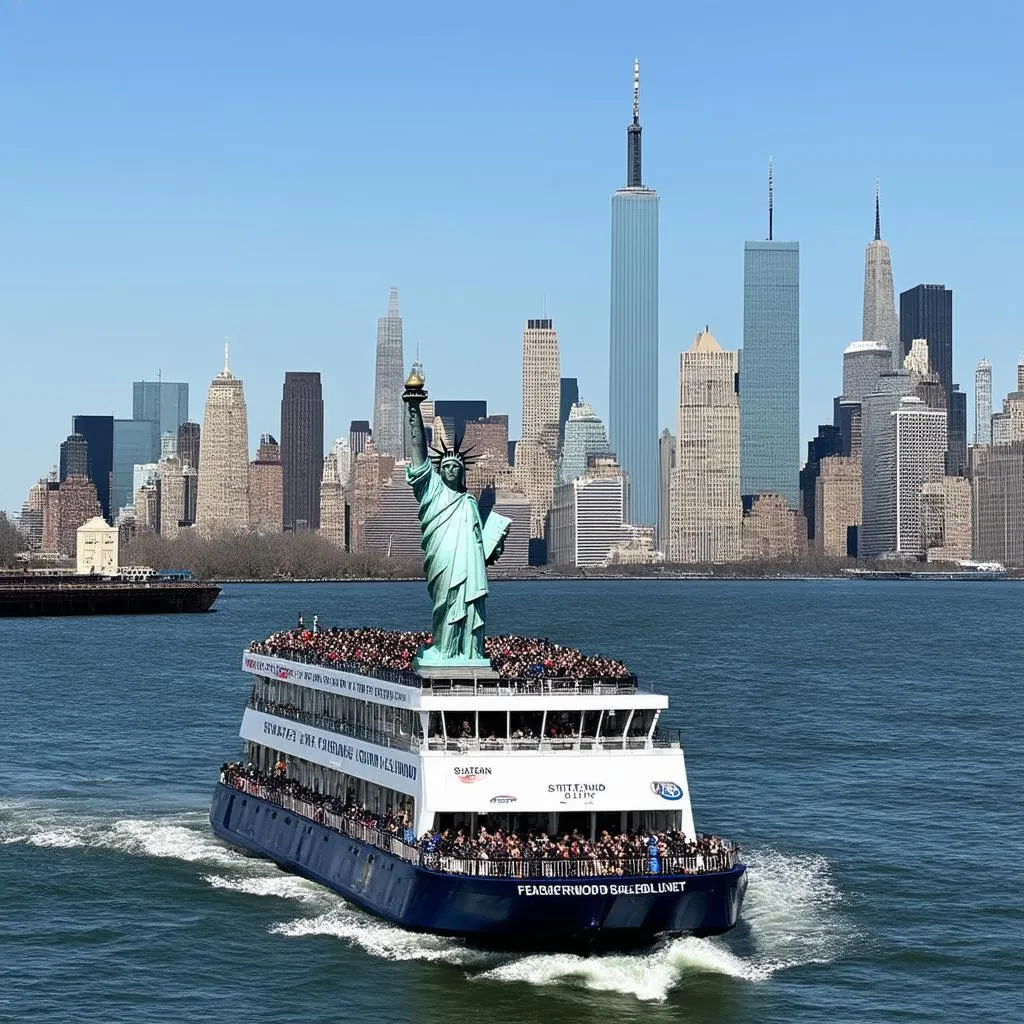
(549,907)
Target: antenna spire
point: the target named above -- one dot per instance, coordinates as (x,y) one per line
(634,178)
(226,345)
(771,196)
(878,214)
(636,90)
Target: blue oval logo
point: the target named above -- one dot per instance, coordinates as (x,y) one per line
(667,790)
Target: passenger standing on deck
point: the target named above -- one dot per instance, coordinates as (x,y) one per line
(316,623)
(301,621)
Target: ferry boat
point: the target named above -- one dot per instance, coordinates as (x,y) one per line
(513,809)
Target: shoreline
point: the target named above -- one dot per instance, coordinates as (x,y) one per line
(660,578)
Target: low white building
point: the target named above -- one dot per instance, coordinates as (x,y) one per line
(96,547)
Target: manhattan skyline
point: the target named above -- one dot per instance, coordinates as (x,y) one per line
(144,224)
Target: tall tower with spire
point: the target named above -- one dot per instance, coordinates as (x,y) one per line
(388,420)
(880,322)
(222,500)
(633,329)
(770,366)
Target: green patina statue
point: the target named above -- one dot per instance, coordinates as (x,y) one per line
(457,546)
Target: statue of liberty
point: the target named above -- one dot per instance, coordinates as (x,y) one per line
(457,546)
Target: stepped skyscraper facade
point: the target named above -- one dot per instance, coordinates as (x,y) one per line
(537,450)
(770,366)
(222,501)
(388,416)
(706,512)
(880,322)
(633,335)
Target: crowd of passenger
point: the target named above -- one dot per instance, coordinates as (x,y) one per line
(513,657)
(538,845)
(610,853)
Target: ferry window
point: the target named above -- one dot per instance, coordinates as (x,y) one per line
(526,725)
(614,722)
(563,725)
(589,729)
(459,724)
(435,727)
(642,722)
(492,726)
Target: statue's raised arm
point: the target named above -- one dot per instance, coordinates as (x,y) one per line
(414,397)
(456,546)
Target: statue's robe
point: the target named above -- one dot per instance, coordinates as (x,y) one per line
(456,546)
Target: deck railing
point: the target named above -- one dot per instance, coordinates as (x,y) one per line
(662,738)
(527,868)
(503,686)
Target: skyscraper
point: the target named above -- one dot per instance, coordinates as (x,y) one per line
(706,511)
(877,534)
(983,403)
(633,329)
(537,451)
(880,322)
(358,435)
(458,412)
(770,366)
(266,488)
(163,402)
(136,442)
(332,500)
(222,499)
(188,444)
(569,395)
(585,437)
(98,432)
(74,456)
(388,413)
(918,439)
(926,311)
(863,363)
(302,449)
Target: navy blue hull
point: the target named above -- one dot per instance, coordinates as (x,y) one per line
(543,915)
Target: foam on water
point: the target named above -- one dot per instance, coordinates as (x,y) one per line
(180,837)
(792,917)
(378,938)
(288,887)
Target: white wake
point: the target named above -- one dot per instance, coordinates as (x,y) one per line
(793,914)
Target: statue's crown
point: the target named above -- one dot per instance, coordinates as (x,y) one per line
(457,454)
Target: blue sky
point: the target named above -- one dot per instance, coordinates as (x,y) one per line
(173,173)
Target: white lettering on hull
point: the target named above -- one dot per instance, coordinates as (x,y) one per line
(576,889)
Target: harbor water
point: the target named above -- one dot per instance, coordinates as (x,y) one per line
(862,741)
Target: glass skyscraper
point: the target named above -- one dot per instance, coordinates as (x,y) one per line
(162,401)
(136,442)
(770,370)
(633,334)
(98,432)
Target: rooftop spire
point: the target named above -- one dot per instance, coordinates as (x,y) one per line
(636,90)
(226,370)
(878,214)
(771,196)
(634,178)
